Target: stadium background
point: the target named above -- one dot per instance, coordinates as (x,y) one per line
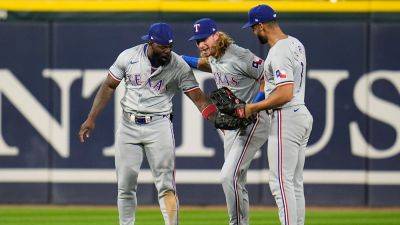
(54,54)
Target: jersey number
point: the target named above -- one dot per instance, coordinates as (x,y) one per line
(301,75)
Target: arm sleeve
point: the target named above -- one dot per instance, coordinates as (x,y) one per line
(191,61)
(282,68)
(117,70)
(259,97)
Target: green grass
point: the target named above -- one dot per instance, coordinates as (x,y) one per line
(79,215)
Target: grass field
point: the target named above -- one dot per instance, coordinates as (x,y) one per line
(81,215)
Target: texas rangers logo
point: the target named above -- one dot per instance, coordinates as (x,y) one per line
(280,74)
(196,27)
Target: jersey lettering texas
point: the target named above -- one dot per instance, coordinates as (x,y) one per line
(225,79)
(136,80)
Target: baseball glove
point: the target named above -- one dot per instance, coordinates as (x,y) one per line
(231,114)
(228,103)
(228,122)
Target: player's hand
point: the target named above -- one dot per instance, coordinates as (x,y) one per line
(86,129)
(244,110)
(240,110)
(248,110)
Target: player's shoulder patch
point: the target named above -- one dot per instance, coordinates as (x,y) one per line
(257,62)
(281,74)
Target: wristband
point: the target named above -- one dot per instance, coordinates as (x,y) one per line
(259,97)
(209,110)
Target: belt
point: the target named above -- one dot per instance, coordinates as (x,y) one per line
(287,107)
(142,119)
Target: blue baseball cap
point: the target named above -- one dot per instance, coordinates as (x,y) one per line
(160,33)
(203,28)
(260,14)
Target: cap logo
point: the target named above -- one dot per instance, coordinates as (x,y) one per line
(151,37)
(196,27)
(256,20)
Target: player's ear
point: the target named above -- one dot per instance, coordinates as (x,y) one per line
(256,27)
(260,26)
(152,45)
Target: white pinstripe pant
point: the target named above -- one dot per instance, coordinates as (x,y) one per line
(156,140)
(240,148)
(290,131)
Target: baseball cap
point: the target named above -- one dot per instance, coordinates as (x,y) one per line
(160,33)
(260,14)
(203,28)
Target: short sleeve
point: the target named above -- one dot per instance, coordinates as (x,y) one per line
(282,67)
(187,80)
(117,70)
(254,65)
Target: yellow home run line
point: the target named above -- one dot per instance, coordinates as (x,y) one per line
(195,6)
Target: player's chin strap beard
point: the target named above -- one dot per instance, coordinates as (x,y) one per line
(154,58)
(214,52)
(156,61)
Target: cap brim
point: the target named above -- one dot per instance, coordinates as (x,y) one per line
(146,37)
(199,36)
(247,25)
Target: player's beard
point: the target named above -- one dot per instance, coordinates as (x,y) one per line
(210,51)
(262,39)
(163,59)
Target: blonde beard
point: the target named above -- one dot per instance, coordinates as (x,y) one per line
(212,52)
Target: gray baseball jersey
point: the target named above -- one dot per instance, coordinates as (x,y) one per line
(286,63)
(291,126)
(240,70)
(147,129)
(150,93)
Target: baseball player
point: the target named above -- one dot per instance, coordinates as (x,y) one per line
(291,122)
(152,74)
(241,71)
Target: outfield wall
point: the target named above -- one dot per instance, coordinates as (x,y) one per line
(50,71)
